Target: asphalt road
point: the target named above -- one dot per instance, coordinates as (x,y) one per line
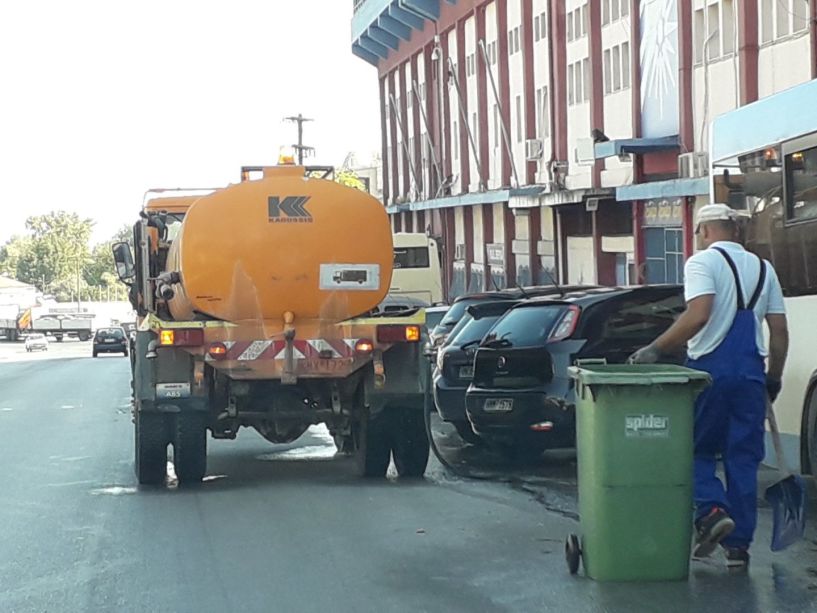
(289,528)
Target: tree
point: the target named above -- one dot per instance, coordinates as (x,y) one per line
(58,246)
(17,248)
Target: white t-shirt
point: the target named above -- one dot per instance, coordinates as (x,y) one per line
(707,273)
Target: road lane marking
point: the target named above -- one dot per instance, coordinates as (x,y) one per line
(114,490)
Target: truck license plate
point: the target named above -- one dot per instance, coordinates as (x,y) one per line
(498,405)
(466,372)
(170,391)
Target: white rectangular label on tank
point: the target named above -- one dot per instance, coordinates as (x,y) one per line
(361,277)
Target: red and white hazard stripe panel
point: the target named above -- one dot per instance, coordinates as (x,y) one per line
(244,351)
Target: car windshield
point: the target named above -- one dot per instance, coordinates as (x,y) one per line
(474,330)
(526,326)
(454,314)
(457,328)
(116,333)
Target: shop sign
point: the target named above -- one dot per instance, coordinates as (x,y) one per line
(664,212)
(496,254)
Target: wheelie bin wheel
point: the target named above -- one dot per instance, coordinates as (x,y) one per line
(573,553)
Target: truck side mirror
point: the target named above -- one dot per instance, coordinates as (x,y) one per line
(122,256)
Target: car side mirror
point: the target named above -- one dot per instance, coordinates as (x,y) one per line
(122,256)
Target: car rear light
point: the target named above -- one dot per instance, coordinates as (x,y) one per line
(217,351)
(364,345)
(181,338)
(398,334)
(567,325)
(543,426)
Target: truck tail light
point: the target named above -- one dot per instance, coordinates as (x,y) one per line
(567,325)
(398,334)
(181,338)
(217,351)
(364,345)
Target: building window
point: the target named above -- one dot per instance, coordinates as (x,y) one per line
(728,29)
(520,132)
(496,126)
(665,255)
(571,99)
(543,26)
(712,32)
(615,13)
(569,27)
(608,77)
(625,65)
(455,138)
(536,35)
(782,19)
(616,68)
(516,32)
(543,112)
(586,78)
(605,12)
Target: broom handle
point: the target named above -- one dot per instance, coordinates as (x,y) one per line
(782,466)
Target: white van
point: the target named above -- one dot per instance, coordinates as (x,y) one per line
(417,271)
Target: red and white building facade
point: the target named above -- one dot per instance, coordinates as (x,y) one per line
(566,138)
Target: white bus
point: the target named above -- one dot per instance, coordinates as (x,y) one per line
(764,160)
(417,271)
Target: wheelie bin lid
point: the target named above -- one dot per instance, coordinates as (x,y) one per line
(637,374)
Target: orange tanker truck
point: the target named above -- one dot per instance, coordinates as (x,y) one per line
(253,306)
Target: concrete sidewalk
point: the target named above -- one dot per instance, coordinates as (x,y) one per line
(783,581)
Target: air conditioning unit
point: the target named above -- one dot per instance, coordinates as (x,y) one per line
(459,251)
(592,204)
(693,165)
(534,150)
(585,152)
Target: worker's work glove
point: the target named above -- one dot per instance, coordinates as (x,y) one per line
(645,355)
(773,387)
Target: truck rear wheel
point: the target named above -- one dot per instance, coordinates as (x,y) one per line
(190,447)
(150,433)
(372,445)
(410,447)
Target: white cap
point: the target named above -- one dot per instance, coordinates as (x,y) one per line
(715,212)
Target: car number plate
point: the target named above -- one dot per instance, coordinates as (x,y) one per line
(499,405)
(466,372)
(109,340)
(168,391)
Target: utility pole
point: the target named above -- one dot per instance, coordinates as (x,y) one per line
(302,150)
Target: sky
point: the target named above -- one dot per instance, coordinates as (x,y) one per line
(101,100)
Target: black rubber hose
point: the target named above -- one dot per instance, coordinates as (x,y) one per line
(428,407)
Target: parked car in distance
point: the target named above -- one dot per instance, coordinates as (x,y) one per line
(522,398)
(458,309)
(434,315)
(110,340)
(36,342)
(455,363)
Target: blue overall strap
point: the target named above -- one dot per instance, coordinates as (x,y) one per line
(761,282)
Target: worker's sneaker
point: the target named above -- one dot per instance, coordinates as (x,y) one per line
(712,529)
(737,558)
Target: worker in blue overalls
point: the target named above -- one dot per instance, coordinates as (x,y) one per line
(729,292)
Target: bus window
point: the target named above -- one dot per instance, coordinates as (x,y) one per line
(801,180)
(411,257)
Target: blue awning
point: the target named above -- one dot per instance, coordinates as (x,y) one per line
(638,146)
(672,188)
(769,121)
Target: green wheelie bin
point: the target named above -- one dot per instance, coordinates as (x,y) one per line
(634,428)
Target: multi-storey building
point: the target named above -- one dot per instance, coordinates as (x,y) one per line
(566,138)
